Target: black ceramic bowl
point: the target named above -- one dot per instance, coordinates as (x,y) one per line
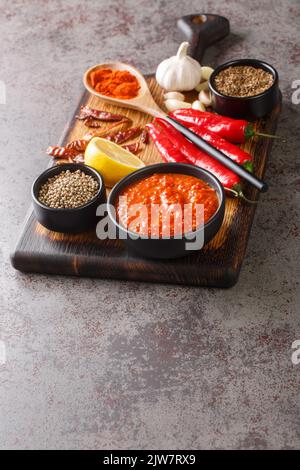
(251,107)
(167,247)
(79,219)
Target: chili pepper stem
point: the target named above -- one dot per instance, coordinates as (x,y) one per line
(250,201)
(239,193)
(270,136)
(232,191)
(248,165)
(251,132)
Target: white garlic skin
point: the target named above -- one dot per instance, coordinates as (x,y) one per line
(174,95)
(172,105)
(198,105)
(205,98)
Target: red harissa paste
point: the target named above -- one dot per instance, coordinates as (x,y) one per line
(168,192)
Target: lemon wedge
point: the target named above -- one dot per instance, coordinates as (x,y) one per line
(111,160)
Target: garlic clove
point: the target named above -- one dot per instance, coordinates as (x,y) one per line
(206,73)
(172,105)
(205,98)
(198,105)
(174,95)
(202,86)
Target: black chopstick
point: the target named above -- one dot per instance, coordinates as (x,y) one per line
(218,155)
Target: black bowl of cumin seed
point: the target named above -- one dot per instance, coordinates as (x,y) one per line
(244,89)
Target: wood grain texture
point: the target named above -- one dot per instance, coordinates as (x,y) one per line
(217,264)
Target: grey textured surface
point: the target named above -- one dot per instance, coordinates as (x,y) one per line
(101,364)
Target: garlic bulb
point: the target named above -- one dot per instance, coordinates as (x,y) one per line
(179,72)
(174,95)
(205,98)
(172,105)
(198,105)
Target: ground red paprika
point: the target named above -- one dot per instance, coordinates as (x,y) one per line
(119,84)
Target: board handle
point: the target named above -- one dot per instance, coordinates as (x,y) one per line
(202,30)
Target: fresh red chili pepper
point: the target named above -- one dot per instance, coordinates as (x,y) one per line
(199,158)
(166,148)
(232,151)
(233,130)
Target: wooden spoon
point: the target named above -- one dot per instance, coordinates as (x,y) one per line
(145,103)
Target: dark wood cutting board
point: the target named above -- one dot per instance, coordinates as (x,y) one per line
(217,264)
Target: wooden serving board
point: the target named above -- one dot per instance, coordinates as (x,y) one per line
(217,264)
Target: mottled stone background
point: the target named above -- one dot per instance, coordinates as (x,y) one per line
(102,364)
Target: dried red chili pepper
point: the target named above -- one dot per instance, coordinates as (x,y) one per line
(79,145)
(61,152)
(133,148)
(91,122)
(77,159)
(122,136)
(86,111)
(144,137)
(104,132)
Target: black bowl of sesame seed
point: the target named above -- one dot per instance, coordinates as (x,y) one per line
(244,89)
(65,197)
